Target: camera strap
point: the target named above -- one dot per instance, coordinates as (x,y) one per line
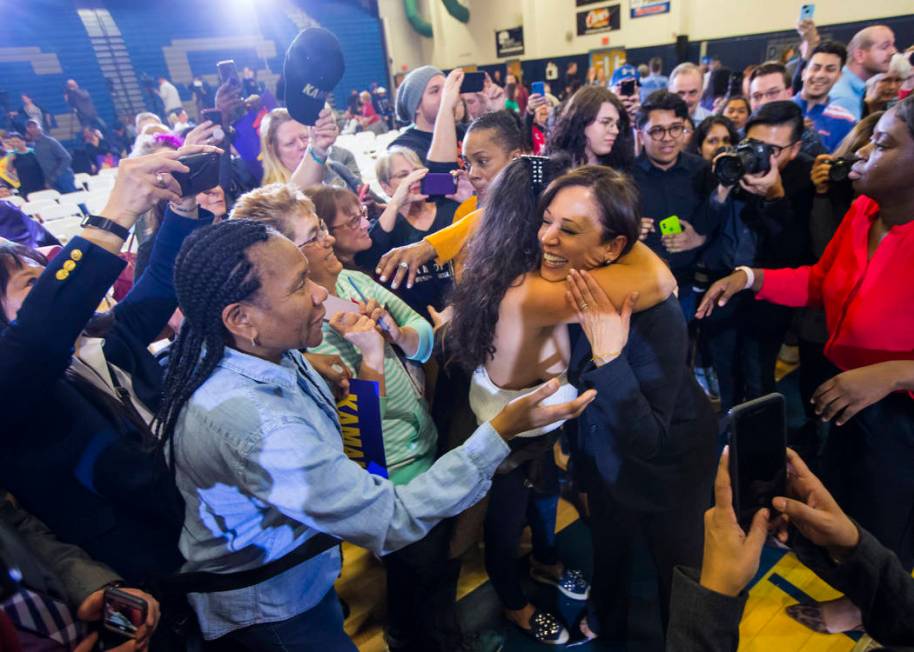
(203,582)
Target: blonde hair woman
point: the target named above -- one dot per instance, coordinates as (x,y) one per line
(293,152)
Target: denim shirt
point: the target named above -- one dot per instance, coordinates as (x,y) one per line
(260,464)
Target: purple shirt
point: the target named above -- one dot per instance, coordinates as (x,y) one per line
(21,229)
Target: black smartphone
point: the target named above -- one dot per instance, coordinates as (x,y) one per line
(438,184)
(227,71)
(213,115)
(203,174)
(735,83)
(473,82)
(758,455)
(627,88)
(123,613)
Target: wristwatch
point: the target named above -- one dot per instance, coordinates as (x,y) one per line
(103,223)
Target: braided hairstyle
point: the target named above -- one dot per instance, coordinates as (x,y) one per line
(212,271)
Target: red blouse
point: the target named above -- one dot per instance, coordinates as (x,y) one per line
(869,303)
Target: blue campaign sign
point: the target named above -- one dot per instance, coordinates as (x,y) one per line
(360,418)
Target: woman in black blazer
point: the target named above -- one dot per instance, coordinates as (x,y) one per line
(644,450)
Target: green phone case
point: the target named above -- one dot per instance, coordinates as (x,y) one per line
(670,226)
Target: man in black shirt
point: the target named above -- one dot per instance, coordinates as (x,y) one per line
(673,183)
(31,178)
(418,99)
(774,207)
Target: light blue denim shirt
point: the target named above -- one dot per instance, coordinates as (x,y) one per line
(261,467)
(848,92)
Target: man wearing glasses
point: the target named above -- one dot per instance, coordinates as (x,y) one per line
(673,182)
(769,214)
(770,82)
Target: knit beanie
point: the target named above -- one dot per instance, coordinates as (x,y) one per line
(409,95)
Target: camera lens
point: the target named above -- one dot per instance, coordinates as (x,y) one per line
(729,168)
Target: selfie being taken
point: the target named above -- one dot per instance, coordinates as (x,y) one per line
(445,326)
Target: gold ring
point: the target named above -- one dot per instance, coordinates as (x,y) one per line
(160,180)
(585,306)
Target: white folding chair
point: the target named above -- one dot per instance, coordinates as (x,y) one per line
(15,200)
(107,172)
(43,194)
(58,212)
(64,229)
(36,207)
(81,179)
(101,183)
(73,198)
(95,201)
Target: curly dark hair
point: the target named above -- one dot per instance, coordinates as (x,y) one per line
(581,110)
(212,271)
(504,248)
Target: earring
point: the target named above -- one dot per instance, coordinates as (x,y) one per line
(254,343)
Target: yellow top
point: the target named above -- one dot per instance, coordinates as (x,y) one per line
(449,241)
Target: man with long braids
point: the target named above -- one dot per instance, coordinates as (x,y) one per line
(257,447)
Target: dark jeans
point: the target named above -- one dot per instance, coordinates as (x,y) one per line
(743,339)
(673,538)
(66,182)
(869,469)
(513,503)
(422,594)
(320,629)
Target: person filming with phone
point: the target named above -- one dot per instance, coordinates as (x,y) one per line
(707,603)
(862,283)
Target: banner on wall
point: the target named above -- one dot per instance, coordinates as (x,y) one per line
(598,19)
(584,3)
(509,42)
(642,8)
(360,418)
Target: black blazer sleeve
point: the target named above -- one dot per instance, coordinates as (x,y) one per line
(874,580)
(35,350)
(700,619)
(637,392)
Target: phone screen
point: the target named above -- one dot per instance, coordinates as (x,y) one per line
(758,448)
(124,613)
(438,184)
(227,70)
(627,88)
(473,82)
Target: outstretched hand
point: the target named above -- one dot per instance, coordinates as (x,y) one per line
(525,412)
(404,261)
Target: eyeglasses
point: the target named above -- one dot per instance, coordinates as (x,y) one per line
(767,95)
(322,233)
(658,133)
(354,221)
(775,149)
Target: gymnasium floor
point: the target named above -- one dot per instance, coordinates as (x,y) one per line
(781,581)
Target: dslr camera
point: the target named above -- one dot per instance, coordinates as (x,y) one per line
(749,157)
(840,168)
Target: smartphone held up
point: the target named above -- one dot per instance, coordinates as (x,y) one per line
(758,455)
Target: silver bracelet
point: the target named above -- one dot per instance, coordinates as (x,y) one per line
(750,276)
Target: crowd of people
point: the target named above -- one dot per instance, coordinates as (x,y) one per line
(606,272)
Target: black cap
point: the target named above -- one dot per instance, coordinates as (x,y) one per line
(313,66)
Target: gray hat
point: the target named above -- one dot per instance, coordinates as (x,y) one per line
(409,95)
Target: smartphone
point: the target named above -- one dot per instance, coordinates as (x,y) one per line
(670,226)
(735,83)
(758,455)
(538,88)
(123,613)
(203,174)
(227,71)
(807,12)
(627,88)
(438,184)
(473,82)
(213,115)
